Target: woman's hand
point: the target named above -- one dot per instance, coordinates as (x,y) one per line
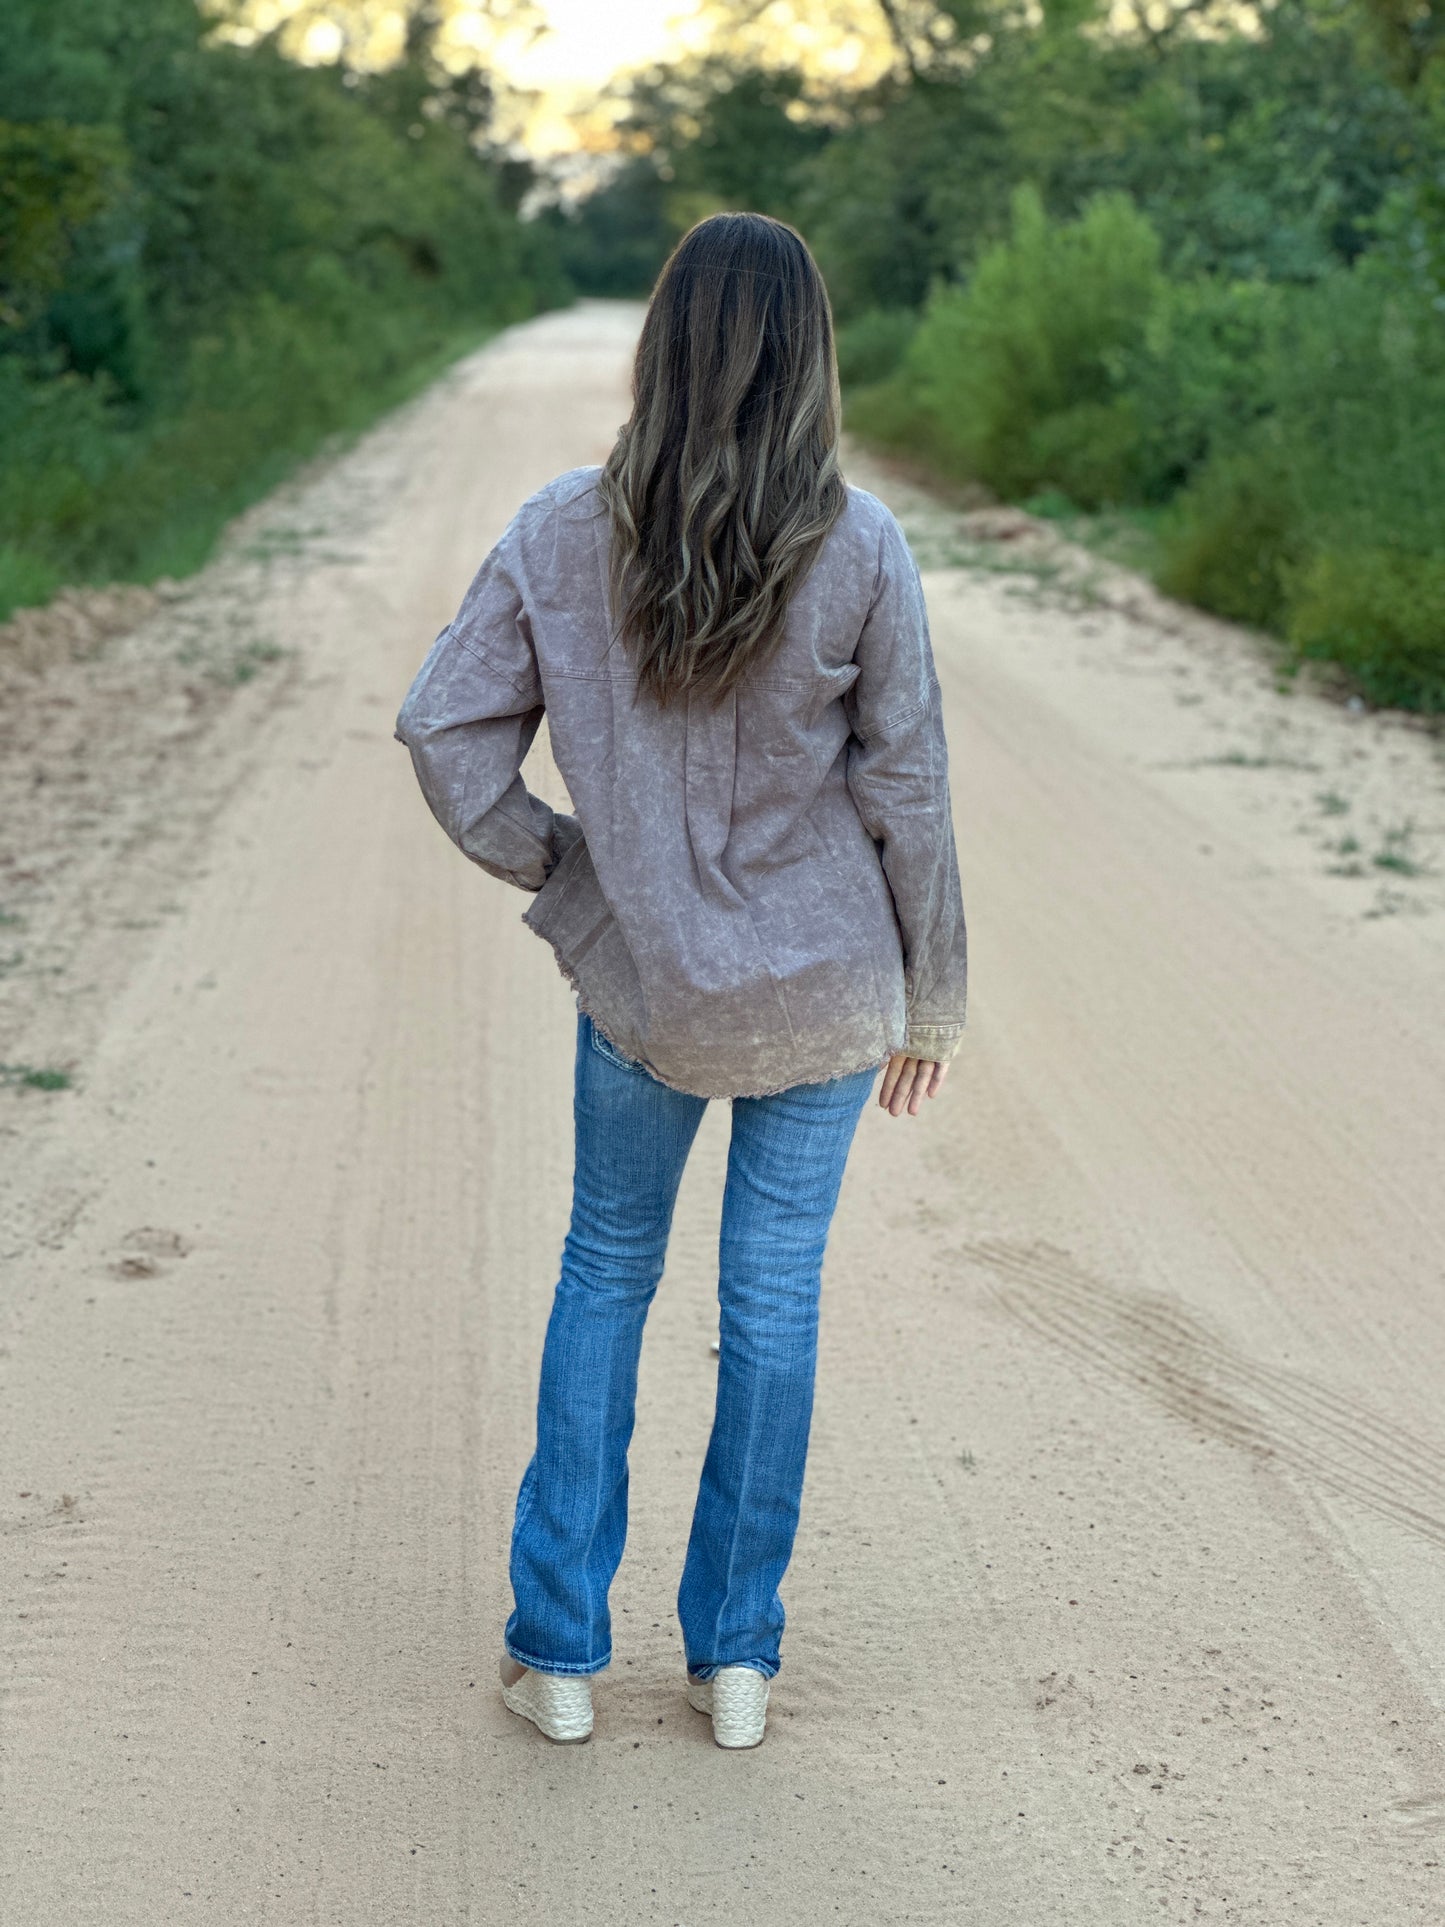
(907,1081)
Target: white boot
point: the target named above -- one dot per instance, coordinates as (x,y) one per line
(558,1704)
(737,1699)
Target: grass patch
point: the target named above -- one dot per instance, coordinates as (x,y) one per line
(1394,852)
(248,662)
(1246,759)
(1126,536)
(31,1078)
(1350,864)
(284,540)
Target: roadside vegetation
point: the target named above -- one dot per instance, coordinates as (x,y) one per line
(1173,277)
(213,259)
(1170,274)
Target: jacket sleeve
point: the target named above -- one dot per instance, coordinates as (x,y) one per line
(898,775)
(469,719)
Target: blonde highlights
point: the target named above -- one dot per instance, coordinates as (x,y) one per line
(724,482)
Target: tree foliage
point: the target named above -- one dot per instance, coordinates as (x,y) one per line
(211,257)
(1189,263)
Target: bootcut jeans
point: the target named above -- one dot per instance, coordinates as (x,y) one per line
(785,1167)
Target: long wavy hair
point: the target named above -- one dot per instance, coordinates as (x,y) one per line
(724,482)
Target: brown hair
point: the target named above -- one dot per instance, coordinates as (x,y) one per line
(724,481)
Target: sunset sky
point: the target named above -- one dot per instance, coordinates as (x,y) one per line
(583,45)
(590,41)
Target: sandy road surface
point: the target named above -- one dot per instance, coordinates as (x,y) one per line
(1119,1591)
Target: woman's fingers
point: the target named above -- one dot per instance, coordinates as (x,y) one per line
(904,1084)
(903,1070)
(907,1081)
(918,1088)
(892,1070)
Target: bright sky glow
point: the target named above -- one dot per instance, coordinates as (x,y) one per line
(585,44)
(551,79)
(589,40)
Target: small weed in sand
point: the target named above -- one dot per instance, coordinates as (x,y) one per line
(282,540)
(968,1461)
(1049,585)
(1394,852)
(12,962)
(1036,577)
(1332,803)
(28,1077)
(1348,851)
(249,660)
(10,919)
(984,558)
(1129,537)
(1246,759)
(1394,903)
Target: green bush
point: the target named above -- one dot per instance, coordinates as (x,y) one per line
(1070,361)
(1379,614)
(1290,442)
(262,397)
(26,579)
(61,437)
(1230,542)
(1323,521)
(1021,368)
(1197,379)
(212,259)
(891,414)
(90,492)
(871,347)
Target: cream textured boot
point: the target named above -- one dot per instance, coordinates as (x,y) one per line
(737,1699)
(557,1704)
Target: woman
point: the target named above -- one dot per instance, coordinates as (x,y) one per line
(757,899)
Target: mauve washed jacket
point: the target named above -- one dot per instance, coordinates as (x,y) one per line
(750,895)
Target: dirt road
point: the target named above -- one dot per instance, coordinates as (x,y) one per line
(1119,1591)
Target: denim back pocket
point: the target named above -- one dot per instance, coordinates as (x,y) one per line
(605,1048)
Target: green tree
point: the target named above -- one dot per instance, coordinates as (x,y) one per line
(210,258)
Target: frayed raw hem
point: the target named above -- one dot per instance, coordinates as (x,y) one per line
(874,1064)
(551,1666)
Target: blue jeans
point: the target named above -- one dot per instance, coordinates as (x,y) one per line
(785,1166)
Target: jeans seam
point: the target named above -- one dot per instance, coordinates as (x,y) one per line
(524,1502)
(574,1670)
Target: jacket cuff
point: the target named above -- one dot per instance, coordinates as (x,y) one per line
(935,1043)
(566,831)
